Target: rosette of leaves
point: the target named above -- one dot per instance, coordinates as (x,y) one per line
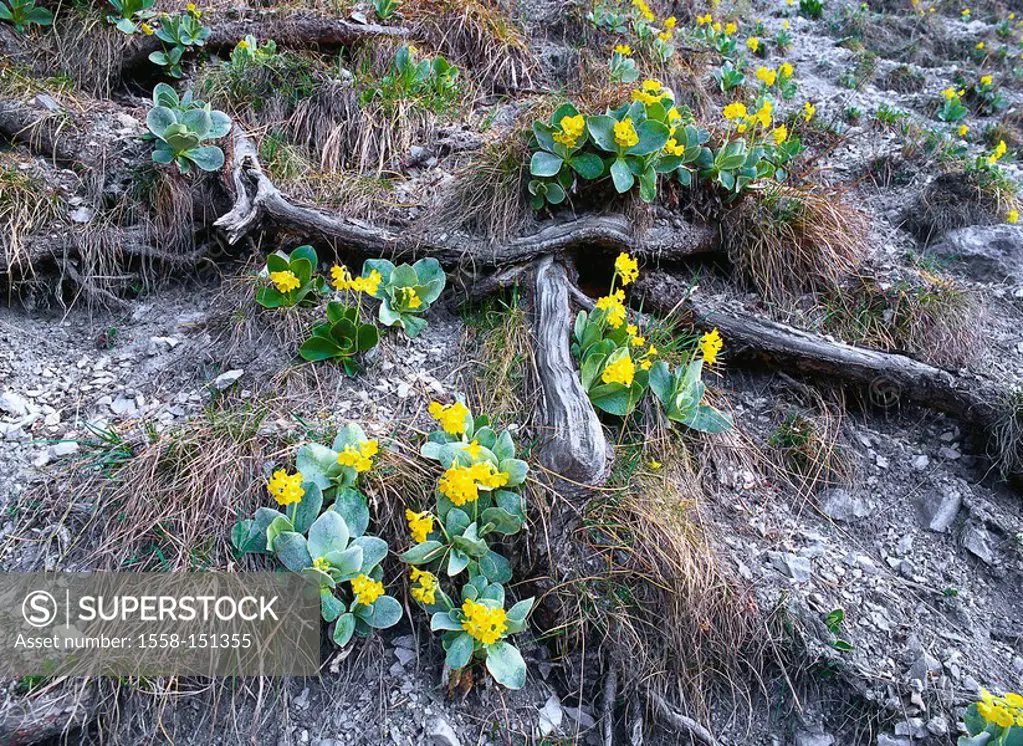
(343,337)
(319,463)
(734,165)
(692,139)
(502,659)
(777,157)
(130,13)
(637,162)
(952,110)
(406,292)
(554,164)
(24,13)
(728,77)
(622,68)
(460,540)
(984,733)
(181,126)
(596,345)
(301,262)
(681,395)
(329,547)
(178,33)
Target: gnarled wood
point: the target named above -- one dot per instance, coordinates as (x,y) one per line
(576,449)
(258,200)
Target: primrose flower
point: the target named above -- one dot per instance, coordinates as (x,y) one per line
(451,417)
(366,589)
(670,22)
(419,525)
(647,361)
(613,307)
(987,80)
(285,489)
(370,284)
(766,75)
(780,134)
(408,297)
(963,129)
(1013,217)
(147,29)
(998,152)
(359,458)
(242,44)
(626,268)
(650,93)
(285,281)
(785,24)
(808,111)
(965,14)
(483,623)
(730,28)
(621,371)
(763,115)
(735,110)
(425,592)
(672,147)
(753,43)
(717,27)
(633,331)
(664,36)
(321,564)
(710,345)
(571,130)
(623,49)
(949,93)
(980,45)
(625,134)
(474,450)
(704,19)
(461,484)
(786,70)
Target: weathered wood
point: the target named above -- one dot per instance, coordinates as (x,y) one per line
(576,448)
(683,725)
(28,720)
(258,201)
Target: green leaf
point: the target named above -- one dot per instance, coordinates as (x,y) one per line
(318,464)
(495,568)
(457,561)
(502,521)
(706,419)
(506,665)
(545,164)
(159,119)
(422,553)
(292,551)
(207,157)
(344,628)
(348,562)
(309,507)
(374,551)
(601,129)
(351,505)
(381,614)
(330,606)
(652,136)
(622,176)
(588,165)
(516,469)
(329,533)
(442,621)
(459,651)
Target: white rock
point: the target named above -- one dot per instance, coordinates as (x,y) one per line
(64,448)
(226,380)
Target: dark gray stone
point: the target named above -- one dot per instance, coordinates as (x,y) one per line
(990,253)
(939,508)
(842,505)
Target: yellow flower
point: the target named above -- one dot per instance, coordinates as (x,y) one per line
(243,44)
(369,284)
(763,115)
(766,75)
(980,45)
(1012,218)
(340,277)
(664,36)
(999,151)
(965,13)
(474,450)
(704,19)
(321,564)
(785,24)
(285,281)
(483,623)
(647,361)
(1002,717)
(623,49)
(717,27)
(987,80)
(426,590)
(730,28)
(655,465)
(753,43)
(571,130)
(285,489)
(408,297)
(736,110)
(786,70)
(613,307)
(625,133)
(672,147)
(670,22)
(780,134)
(366,589)
(626,268)
(637,341)
(361,458)
(419,525)
(461,484)
(949,93)
(147,29)
(451,417)
(621,371)
(963,129)
(710,345)
(673,115)
(1012,699)
(808,111)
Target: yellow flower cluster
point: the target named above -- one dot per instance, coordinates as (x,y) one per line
(766,75)
(321,564)
(361,458)
(738,113)
(1004,711)
(644,10)
(786,70)
(672,147)
(735,110)
(285,489)
(419,525)
(474,450)
(571,130)
(483,623)
(450,417)
(670,22)
(621,371)
(704,19)
(285,281)
(366,589)
(987,80)
(626,268)
(809,110)
(425,590)
(461,484)
(408,297)
(710,345)
(623,49)
(753,43)
(780,134)
(1013,217)
(625,133)
(997,154)
(342,279)
(651,92)
(613,307)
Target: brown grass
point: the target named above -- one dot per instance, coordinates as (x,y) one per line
(954,200)
(787,241)
(27,205)
(807,448)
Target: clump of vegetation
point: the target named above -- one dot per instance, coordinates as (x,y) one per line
(808,448)
(968,196)
(24,13)
(179,33)
(405,291)
(181,126)
(904,79)
(292,279)
(27,204)
(996,721)
(132,15)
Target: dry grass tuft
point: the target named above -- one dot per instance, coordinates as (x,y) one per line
(928,316)
(27,204)
(806,445)
(786,241)
(1006,448)
(87,49)
(955,200)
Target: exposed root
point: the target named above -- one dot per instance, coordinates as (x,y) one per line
(683,724)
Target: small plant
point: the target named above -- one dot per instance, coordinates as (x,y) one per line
(24,13)
(681,393)
(179,33)
(321,534)
(988,99)
(431,83)
(994,721)
(813,9)
(621,65)
(477,503)
(343,337)
(131,14)
(385,8)
(728,77)
(834,621)
(406,291)
(292,279)
(249,52)
(181,126)
(952,108)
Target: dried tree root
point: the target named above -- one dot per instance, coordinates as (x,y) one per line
(258,201)
(684,725)
(576,449)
